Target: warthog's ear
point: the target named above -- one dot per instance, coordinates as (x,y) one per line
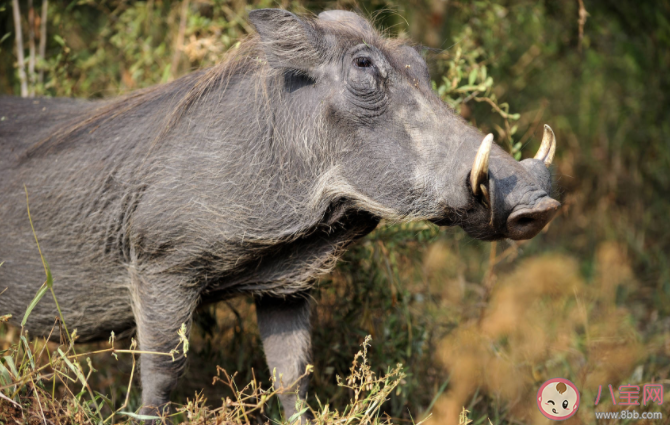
(288,41)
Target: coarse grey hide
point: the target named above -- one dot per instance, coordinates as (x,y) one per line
(251,177)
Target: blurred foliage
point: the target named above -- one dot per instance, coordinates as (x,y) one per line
(475,324)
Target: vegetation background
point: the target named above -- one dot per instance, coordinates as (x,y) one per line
(476,325)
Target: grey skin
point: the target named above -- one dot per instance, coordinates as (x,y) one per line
(251,177)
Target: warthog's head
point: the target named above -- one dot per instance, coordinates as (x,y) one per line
(395,149)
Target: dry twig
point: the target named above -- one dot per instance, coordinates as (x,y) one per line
(19,48)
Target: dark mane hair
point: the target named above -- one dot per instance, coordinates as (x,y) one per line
(174,98)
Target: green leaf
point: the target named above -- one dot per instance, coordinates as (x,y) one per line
(513,130)
(59,40)
(166,73)
(33,303)
(467,88)
(472,77)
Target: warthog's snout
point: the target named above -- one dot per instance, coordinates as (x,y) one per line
(524,223)
(513,196)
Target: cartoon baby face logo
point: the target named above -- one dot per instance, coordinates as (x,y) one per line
(558,399)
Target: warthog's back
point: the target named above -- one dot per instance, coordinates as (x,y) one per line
(50,180)
(24,122)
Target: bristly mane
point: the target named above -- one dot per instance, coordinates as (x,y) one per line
(177,97)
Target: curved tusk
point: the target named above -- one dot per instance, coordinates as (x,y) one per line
(480,168)
(548,146)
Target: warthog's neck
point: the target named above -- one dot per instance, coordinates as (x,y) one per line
(292,267)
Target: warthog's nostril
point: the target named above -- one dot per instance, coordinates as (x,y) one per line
(525,223)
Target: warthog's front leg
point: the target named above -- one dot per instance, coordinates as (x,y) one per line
(161,305)
(285,330)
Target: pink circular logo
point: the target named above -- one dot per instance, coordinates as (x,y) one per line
(558,399)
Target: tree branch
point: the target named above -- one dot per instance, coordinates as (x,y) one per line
(19,48)
(180,39)
(43,39)
(31,46)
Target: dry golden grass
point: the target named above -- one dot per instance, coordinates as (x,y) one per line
(31,372)
(543,321)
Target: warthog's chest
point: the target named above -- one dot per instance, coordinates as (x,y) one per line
(291,267)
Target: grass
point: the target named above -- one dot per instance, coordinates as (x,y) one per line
(43,385)
(47,382)
(31,372)
(475,325)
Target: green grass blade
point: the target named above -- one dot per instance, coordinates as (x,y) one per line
(5,376)
(74,368)
(50,279)
(437,395)
(28,351)
(296,415)
(139,417)
(47,272)
(12,368)
(82,378)
(43,290)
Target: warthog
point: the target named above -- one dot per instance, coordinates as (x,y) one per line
(251,177)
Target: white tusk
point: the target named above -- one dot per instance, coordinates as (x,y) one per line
(548,146)
(480,168)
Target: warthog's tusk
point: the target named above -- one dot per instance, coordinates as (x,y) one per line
(480,168)
(548,146)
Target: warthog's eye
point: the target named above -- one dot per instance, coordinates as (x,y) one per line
(363,62)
